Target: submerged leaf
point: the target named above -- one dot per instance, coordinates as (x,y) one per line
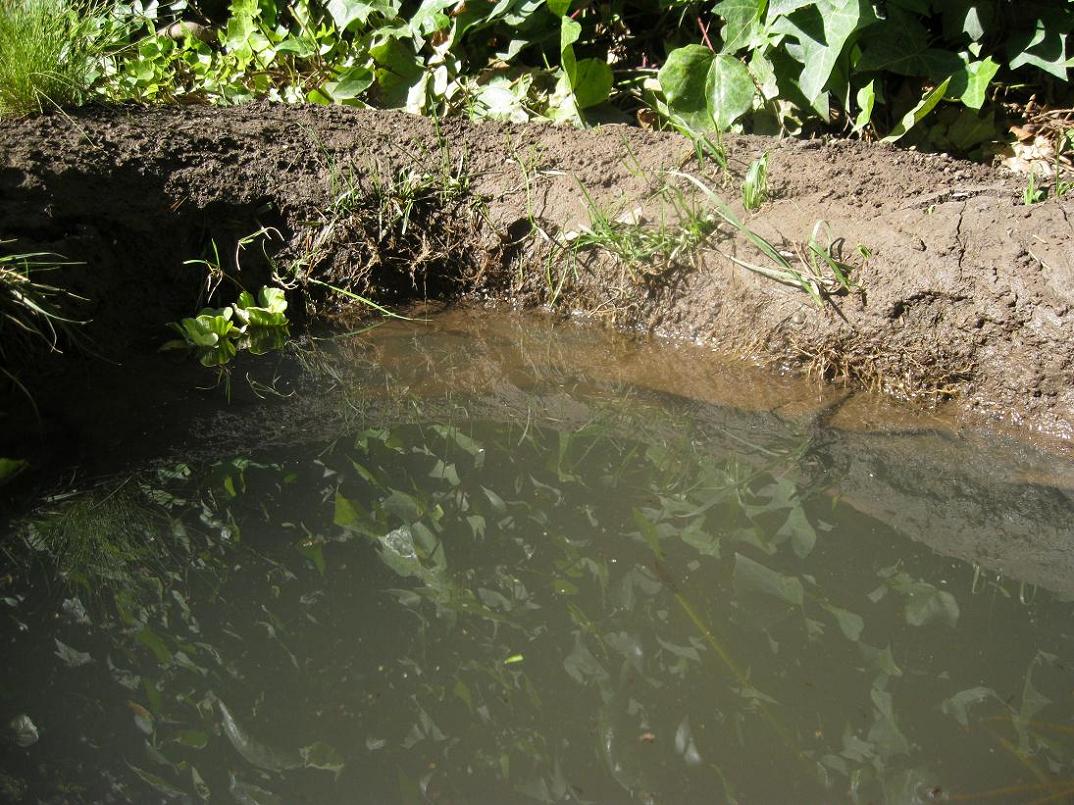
(159,784)
(254,752)
(959,705)
(850,623)
(320,755)
(72,657)
(752,577)
(249,794)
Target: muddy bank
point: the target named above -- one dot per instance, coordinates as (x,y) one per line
(967,294)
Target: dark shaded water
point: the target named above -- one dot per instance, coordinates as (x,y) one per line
(467,572)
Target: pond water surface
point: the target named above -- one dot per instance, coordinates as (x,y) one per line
(494,566)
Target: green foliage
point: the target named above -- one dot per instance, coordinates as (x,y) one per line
(1032,194)
(217,334)
(875,68)
(884,66)
(47,50)
(424,57)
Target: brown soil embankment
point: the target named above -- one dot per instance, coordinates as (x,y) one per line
(967,294)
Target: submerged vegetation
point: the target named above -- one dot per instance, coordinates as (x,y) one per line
(421,607)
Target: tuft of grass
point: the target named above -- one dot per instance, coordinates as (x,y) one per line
(46,55)
(1032,193)
(33,313)
(755,185)
(1064,147)
(818,270)
(647,251)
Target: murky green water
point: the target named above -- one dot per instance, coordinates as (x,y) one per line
(540,586)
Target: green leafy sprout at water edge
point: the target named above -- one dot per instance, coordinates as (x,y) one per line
(216,334)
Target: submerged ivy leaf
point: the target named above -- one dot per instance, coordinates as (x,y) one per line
(850,623)
(399,553)
(249,794)
(752,577)
(684,743)
(11,467)
(582,665)
(885,733)
(801,532)
(74,609)
(925,603)
(880,660)
(405,507)
(158,783)
(195,739)
(254,752)
(321,756)
(958,706)
(345,513)
(199,784)
(72,657)
(23,731)
(313,550)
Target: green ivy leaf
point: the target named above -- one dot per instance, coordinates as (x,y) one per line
(350,83)
(569,31)
(706,90)
(866,100)
(970,83)
(823,29)
(397,71)
(742,26)
(729,90)
(1044,45)
(915,115)
(901,46)
(345,12)
(592,82)
(682,79)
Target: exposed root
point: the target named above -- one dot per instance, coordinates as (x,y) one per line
(861,362)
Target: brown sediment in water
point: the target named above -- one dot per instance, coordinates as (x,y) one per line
(968,295)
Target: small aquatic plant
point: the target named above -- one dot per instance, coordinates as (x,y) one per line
(217,334)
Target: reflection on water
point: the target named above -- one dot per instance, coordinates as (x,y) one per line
(637,601)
